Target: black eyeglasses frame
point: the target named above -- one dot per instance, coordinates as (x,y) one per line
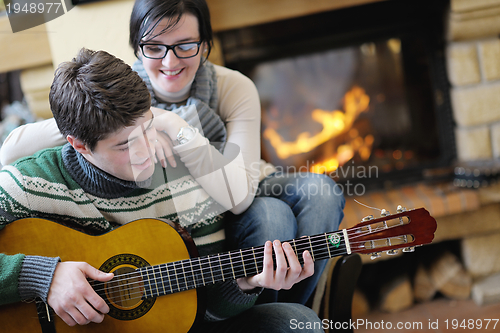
(170,47)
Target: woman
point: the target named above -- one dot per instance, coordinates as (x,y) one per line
(215,125)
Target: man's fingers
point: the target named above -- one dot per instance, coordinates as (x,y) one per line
(268,266)
(78,317)
(293,262)
(95,274)
(97,303)
(308,269)
(90,295)
(66,317)
(89,314)
(83,311)
(281,263)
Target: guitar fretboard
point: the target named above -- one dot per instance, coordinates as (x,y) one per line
(197,272)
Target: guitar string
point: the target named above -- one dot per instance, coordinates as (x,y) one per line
(182,286)
(320,238)
(223,263)
(249,254)
(177,275)
(304,245)
(227,262)
(355,232)
(185,284)
(221,271)
(136,296)
(362,204)
(303,242)
(139,295)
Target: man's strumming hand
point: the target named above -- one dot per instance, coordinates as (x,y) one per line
(72,297)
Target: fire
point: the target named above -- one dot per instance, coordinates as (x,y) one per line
(334,124)
(344,153)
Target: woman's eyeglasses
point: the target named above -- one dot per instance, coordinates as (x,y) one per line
(181,50)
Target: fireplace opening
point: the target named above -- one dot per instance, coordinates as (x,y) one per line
(360,94)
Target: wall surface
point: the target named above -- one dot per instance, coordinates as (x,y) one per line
(232,14)
(473,61)
(97,26)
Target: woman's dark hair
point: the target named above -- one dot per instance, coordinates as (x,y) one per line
(95,95)
(146,15)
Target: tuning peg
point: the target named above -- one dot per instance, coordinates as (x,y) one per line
(384,212)
(375,255)
(367,218)
(409,249)
(392,252)
(401,209)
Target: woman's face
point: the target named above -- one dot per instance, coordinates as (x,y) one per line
(171,74)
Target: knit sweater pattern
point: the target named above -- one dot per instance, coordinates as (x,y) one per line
(61,185)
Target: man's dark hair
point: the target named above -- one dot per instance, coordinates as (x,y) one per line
(146,15)
(95,95)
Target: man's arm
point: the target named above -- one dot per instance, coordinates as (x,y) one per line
(10,267)
(62,285)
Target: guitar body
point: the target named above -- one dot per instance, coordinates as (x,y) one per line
(141,242)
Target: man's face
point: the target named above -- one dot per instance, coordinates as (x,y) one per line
(128,154)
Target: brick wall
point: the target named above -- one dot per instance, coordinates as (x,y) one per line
(473,61)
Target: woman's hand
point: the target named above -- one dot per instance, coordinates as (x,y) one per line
(72,297)
(164,150)
(167,125)
(168,122)
(285,275)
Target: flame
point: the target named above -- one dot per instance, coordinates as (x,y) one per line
(334,123)
(344,153)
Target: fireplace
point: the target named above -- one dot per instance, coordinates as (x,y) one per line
(360,93)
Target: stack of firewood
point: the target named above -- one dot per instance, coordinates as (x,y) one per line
(399,286)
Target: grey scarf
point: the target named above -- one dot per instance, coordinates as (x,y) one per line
(203,96)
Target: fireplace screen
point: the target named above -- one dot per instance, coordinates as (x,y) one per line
(348,105)
(339,94)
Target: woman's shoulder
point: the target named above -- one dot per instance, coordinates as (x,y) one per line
(234,85)
(237,94)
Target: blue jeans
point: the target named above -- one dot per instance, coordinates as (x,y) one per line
(269,318)
(289,206)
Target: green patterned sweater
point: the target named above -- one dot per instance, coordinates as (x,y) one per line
(60,185)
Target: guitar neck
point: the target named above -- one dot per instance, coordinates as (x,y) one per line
(197,272)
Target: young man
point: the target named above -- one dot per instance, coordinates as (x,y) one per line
(104,177)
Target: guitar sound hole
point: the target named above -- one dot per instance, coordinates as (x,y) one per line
(125,289)
(124,293)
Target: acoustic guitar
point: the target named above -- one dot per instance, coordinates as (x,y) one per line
(152,258)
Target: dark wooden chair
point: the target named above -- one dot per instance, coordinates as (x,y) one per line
(341,284)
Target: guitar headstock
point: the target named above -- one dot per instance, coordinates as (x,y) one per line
(406,229)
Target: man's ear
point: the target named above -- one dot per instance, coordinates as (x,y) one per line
(78,145)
